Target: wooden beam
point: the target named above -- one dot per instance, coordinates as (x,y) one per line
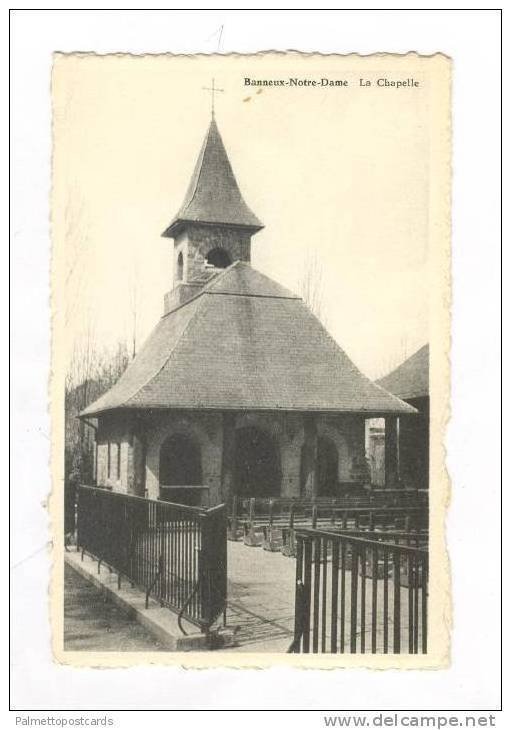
(228,455)
(310,456)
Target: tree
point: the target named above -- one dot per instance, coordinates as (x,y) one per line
(91,373)
(311,284)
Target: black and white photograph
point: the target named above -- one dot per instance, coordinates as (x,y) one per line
(255,375)
(246,324)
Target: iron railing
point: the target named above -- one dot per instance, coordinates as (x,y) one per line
(176,553)
(357,508)
(273,524)
(241,508)
(361,592)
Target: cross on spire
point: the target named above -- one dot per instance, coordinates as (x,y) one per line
(214,89)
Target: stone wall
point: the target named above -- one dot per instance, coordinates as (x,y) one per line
(114,434)
(286,430)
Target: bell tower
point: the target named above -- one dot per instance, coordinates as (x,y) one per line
(214,225)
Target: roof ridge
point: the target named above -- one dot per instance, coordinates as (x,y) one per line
(155,374)
(200,292)
(216,279)
(269,354)
(254,296)
(194,182)
(336,344)
(404,362)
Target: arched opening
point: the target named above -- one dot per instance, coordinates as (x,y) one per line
(327,468)
(219,258)
(180,462)
(257,464)
(180,266)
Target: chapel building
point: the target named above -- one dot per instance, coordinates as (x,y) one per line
(239,389)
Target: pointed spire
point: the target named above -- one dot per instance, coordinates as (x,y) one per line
(213,195)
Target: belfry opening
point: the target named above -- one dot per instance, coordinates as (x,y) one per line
(218,258)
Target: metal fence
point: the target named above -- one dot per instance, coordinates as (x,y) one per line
(174,552)
(361,592)
(392,507)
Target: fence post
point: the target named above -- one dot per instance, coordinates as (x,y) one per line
(397,602)
(204,586)
(291,516)
(424,602)
(300,602)
(307,582)
(233,531)
(354,598)
(250,538)
(314,515)
(289,546)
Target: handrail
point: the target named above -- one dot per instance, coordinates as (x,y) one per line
(196,510)
(315,533)
(392,534)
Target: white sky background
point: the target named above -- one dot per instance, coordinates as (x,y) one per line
(340,175)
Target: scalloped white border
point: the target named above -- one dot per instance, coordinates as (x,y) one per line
(472,39)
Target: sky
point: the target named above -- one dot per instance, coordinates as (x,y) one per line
(340,176)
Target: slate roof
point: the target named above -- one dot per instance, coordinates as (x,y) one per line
(245,342)
(411,379)
(213,195)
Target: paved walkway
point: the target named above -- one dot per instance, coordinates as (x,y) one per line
(260,598)
(91,624)
(261,589)
(261,594)
(261,603)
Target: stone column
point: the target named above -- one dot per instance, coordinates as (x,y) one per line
(310,456)
(95,461)
(391,452)
(138,466)
(228,487)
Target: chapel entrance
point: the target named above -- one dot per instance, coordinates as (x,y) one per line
(328,467)
(257,464)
